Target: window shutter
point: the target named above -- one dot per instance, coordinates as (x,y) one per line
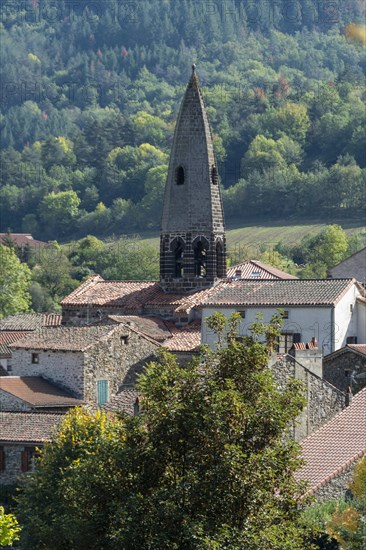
(25,460)
(102,389)
(2,460)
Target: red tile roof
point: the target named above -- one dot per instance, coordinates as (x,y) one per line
(306,292)
(184,339)
(131,296)
(30,321)
(360,348)
(336,445)
(255,269)
(152,327)
(28,427)
(9,337)
(37,391)
(22,239)
(65,338)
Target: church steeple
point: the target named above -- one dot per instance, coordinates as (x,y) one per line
(192,244)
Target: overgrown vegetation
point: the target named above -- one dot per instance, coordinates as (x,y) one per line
(91,92)
(205,464)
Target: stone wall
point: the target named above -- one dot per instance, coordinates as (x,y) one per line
(118,360)
(338,371)
(323,400)
(9,402)
(12,472)
(338,486)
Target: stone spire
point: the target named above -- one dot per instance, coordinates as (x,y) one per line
(192,248)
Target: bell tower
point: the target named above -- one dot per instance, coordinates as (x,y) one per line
(192,241)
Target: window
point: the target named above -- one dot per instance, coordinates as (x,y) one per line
(214,175)
(255,274)
(136,407)
(102,392)
(286,341)
(351,340)
(220,260)
(124,340)
(200,247)
(177,246)
(35,358)
(241,313)
(27,456)
(351,308)
(179,175)
(286,314)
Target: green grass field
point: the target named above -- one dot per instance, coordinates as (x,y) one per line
(250,241)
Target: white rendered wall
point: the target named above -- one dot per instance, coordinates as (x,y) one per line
(308,321)
(345,318)
(361,322)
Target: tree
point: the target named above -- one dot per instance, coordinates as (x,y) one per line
(348,526)
(9,528)
(206,464)
(14,283)
(58,210)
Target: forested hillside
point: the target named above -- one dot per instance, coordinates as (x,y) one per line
(90,93)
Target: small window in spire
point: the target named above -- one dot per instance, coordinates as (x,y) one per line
(214,175)
(179,175)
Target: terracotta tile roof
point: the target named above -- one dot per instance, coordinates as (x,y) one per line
(255,269)
(307,292)
(24,427)
(186,338)
(65,338)
(37,391)
(337,444)
(131,296)
(123,402)
(153,327)
(30,321)
(9,337)
(358,348)
(22,239)
(182,338)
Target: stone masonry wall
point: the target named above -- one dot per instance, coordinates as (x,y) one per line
(64,368)
(9,402)
(337,487)
(338,370)
(13,471)
(119,360)
(323,400)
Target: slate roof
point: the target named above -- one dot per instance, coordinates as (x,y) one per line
(65,338)
(254,269)
(131,296)
(123,402)
(337,444)
(37,392)
(152,327)
(30,321)
(28,427)
(354,266)
(22,239)
(9,337)
(306,292)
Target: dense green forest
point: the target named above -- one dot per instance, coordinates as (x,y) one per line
(91,90)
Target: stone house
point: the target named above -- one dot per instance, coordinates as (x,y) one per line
(21,434)
(323,400)
(354,266)
(89,362)
(324,309)
(346,367)
(16,327)
(332,452)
